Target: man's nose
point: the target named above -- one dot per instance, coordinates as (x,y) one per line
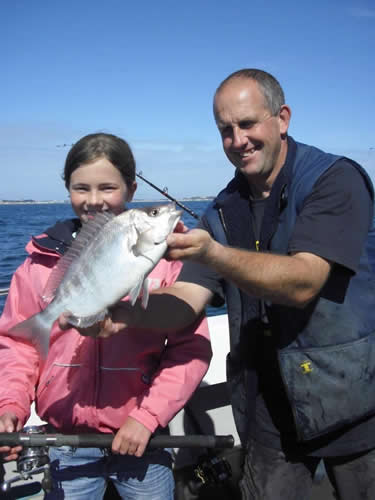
(238,137)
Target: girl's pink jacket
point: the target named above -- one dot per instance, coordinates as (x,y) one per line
(90,384)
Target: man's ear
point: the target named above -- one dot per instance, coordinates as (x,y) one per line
(285,114)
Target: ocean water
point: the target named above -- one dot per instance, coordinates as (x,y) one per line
(19,222)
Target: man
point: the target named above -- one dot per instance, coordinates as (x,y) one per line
(287,245)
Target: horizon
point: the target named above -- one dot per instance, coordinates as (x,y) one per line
(26,201)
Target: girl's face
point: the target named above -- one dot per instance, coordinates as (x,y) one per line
(98,186)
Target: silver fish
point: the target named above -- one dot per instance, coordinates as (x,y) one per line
(110,259)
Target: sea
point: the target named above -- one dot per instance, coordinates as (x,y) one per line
(18,222)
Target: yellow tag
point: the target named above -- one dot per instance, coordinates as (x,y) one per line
(199,473)
(306,367)
(257,245)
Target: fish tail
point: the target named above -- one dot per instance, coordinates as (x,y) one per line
(35,330)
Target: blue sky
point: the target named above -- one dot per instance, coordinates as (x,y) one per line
(147,71)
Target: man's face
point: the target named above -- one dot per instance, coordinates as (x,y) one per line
(251,136)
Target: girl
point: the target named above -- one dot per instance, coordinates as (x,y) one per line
(129,385)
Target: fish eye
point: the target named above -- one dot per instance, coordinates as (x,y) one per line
(154,212)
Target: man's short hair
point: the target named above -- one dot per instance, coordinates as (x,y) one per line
(268,85)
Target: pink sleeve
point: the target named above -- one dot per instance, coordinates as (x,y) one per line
(19,366)
(171,270)
(182,367)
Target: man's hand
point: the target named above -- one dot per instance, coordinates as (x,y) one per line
(131,439)
(9,423)
(180,227)
(196,244)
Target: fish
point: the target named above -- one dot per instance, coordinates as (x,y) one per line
(109,259)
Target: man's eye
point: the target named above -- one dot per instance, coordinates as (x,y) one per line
(226,131)
(247,124)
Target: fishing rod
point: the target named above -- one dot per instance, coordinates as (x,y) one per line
(164,192)
(34,459)
(105,440)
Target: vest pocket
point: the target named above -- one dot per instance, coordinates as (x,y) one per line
(329,387)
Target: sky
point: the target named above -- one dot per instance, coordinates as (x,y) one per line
(147,71)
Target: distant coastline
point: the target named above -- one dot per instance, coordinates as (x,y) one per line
(59,202)
(32,202)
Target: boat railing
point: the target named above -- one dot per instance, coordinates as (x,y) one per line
(4,291)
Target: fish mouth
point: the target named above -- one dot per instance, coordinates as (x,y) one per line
(174,217)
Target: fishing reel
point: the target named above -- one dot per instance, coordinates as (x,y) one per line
(210,471)
(32,460)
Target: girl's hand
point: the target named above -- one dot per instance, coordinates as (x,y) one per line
(9,423)
(131,439)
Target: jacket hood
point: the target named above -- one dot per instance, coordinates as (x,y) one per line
(56,239)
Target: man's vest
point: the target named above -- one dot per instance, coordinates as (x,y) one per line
(326,351)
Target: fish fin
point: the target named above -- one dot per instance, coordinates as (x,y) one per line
(140,289)
(144,243)
(145,293)
(86,234)
(135,292)
(131,237)
(36,331)
(85,321)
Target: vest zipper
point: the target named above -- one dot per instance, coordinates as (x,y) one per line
(221,216)
(257,242)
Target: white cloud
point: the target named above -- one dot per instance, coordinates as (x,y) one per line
(142,146)
(153,146)
(185,173)
(31,164)
(362,12)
